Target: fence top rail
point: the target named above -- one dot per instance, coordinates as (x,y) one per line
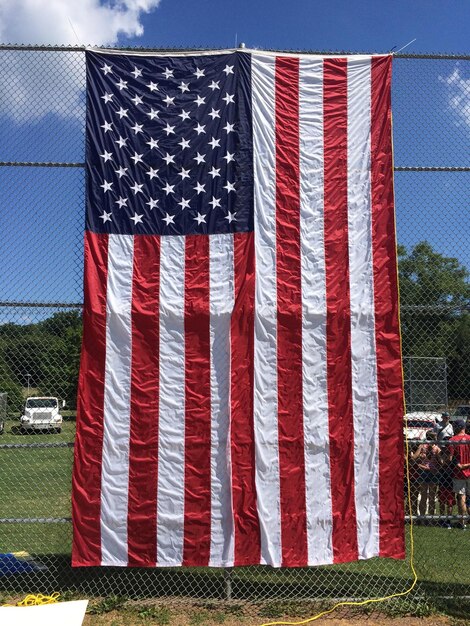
(398,55)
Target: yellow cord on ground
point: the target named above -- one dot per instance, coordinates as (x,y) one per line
(37,600)
(412,545)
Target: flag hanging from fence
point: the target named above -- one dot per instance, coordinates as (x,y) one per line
(240,390)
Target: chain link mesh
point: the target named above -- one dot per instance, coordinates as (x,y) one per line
(42,110)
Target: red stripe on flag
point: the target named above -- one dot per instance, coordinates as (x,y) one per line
(197,494)
(289,317)
(340,413)
(143,446)
(387,331)
(242,439)
(86,480)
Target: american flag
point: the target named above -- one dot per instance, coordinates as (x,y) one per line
(240,392)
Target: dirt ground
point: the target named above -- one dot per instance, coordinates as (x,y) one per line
(116,618)
(119,620)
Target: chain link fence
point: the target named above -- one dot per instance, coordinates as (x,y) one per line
(42,111)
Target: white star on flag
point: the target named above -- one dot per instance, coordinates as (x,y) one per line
(136,188)
(106,217)
(229,187)
(200,158)
(183,203)
(121,171)
(229,99)
(152,203)
(183,173)
(168,219)
(152,173)
(137,158)
(122,202)
(137,219)
(214,143)
(153,143)
(169,158)
(200,218)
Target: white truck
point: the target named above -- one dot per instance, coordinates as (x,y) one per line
(41,413)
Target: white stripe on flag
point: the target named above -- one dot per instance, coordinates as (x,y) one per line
(363,355)
(170,490)
(314,381)
(265,339)
(117,393)
(221,306)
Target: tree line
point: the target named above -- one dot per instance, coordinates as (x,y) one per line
(435,321)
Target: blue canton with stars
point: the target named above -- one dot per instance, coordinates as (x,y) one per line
(169,144)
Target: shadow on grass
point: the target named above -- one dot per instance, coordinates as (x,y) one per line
(19,430)
(245,584)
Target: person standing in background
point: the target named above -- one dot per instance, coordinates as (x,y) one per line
(444,428)
(459,451)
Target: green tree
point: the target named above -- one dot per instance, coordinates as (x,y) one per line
(60,376)
(435,305)
(48,351)
(9,386)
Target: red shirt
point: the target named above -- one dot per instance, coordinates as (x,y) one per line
(461,453)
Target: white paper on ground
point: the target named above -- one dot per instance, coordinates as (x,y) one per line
(57,614)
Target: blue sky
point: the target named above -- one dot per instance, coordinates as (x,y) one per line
(364,25)
(42,106)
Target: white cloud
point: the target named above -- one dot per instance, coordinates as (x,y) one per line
(34,84)
(458,95)
(63,21)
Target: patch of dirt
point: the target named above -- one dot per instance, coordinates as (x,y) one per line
(200,618)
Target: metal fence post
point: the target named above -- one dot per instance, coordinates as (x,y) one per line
(228,583)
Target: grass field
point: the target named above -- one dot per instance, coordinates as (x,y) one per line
(36,484)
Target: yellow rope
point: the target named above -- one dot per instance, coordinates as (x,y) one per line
(37,600)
